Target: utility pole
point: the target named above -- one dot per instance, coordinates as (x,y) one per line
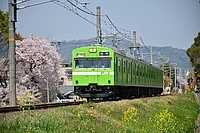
(175,78)
(47,89)
(170,77)
(134,48)
(134,44)
(12,8)
(152,54)
(99,38)
(12,55)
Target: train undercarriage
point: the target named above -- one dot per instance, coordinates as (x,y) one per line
(115,92)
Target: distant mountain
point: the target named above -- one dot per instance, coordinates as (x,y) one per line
(175,55)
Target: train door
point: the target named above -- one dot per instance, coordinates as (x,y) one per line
(137,74)
(133,74)
(122,71)
(141,74)
(129,73)
(119,71)
(104,70)
(144,83)
(127,77)
(146,76)
(116,70)
(93,73)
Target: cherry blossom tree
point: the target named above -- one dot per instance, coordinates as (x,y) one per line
(37,62)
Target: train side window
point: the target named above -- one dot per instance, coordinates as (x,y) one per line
(121,65)
(124,66)
(134,68)
(153,74)
(119,61)
(142,71)
(139,70)
(146,72)
(129,66)
(150,73)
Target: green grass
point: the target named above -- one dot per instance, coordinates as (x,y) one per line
(174,114)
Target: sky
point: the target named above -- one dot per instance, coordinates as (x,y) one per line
(160,23)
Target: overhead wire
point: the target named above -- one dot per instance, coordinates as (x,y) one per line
(68,8)
(40,3)
(62,4)
(149,50)
(116,28)
(90,13)
(144,45)
(65,6)
(93,14)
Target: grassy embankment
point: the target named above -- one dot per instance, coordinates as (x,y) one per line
(174,113)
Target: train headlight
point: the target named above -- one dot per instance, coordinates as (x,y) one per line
(92,50)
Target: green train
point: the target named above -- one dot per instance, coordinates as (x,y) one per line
(106,72)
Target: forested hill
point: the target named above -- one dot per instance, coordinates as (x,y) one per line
(175,55)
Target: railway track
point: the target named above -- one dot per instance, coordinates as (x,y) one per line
(53,105)
(37,106)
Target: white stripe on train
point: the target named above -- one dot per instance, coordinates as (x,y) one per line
(92,73)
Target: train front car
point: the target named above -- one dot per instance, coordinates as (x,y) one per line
(93,72)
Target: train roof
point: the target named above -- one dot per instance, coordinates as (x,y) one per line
(116,50)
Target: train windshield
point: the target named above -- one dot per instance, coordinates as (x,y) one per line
(93,63)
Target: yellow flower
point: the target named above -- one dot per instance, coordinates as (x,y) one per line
(91,115)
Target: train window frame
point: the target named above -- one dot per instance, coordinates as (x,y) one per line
(119,62)
(136,71)
(124,66)
(133,69)
(97,66)
(78,66)
(143,71)
(129,70)
(110,64)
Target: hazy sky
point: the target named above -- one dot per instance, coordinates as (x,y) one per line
(159,22)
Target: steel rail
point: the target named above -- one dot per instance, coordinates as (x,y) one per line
(37,106)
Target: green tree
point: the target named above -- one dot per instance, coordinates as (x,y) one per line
(4,26)
(4,36)
(194,54)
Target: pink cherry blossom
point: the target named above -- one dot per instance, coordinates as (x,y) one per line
(36,60)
